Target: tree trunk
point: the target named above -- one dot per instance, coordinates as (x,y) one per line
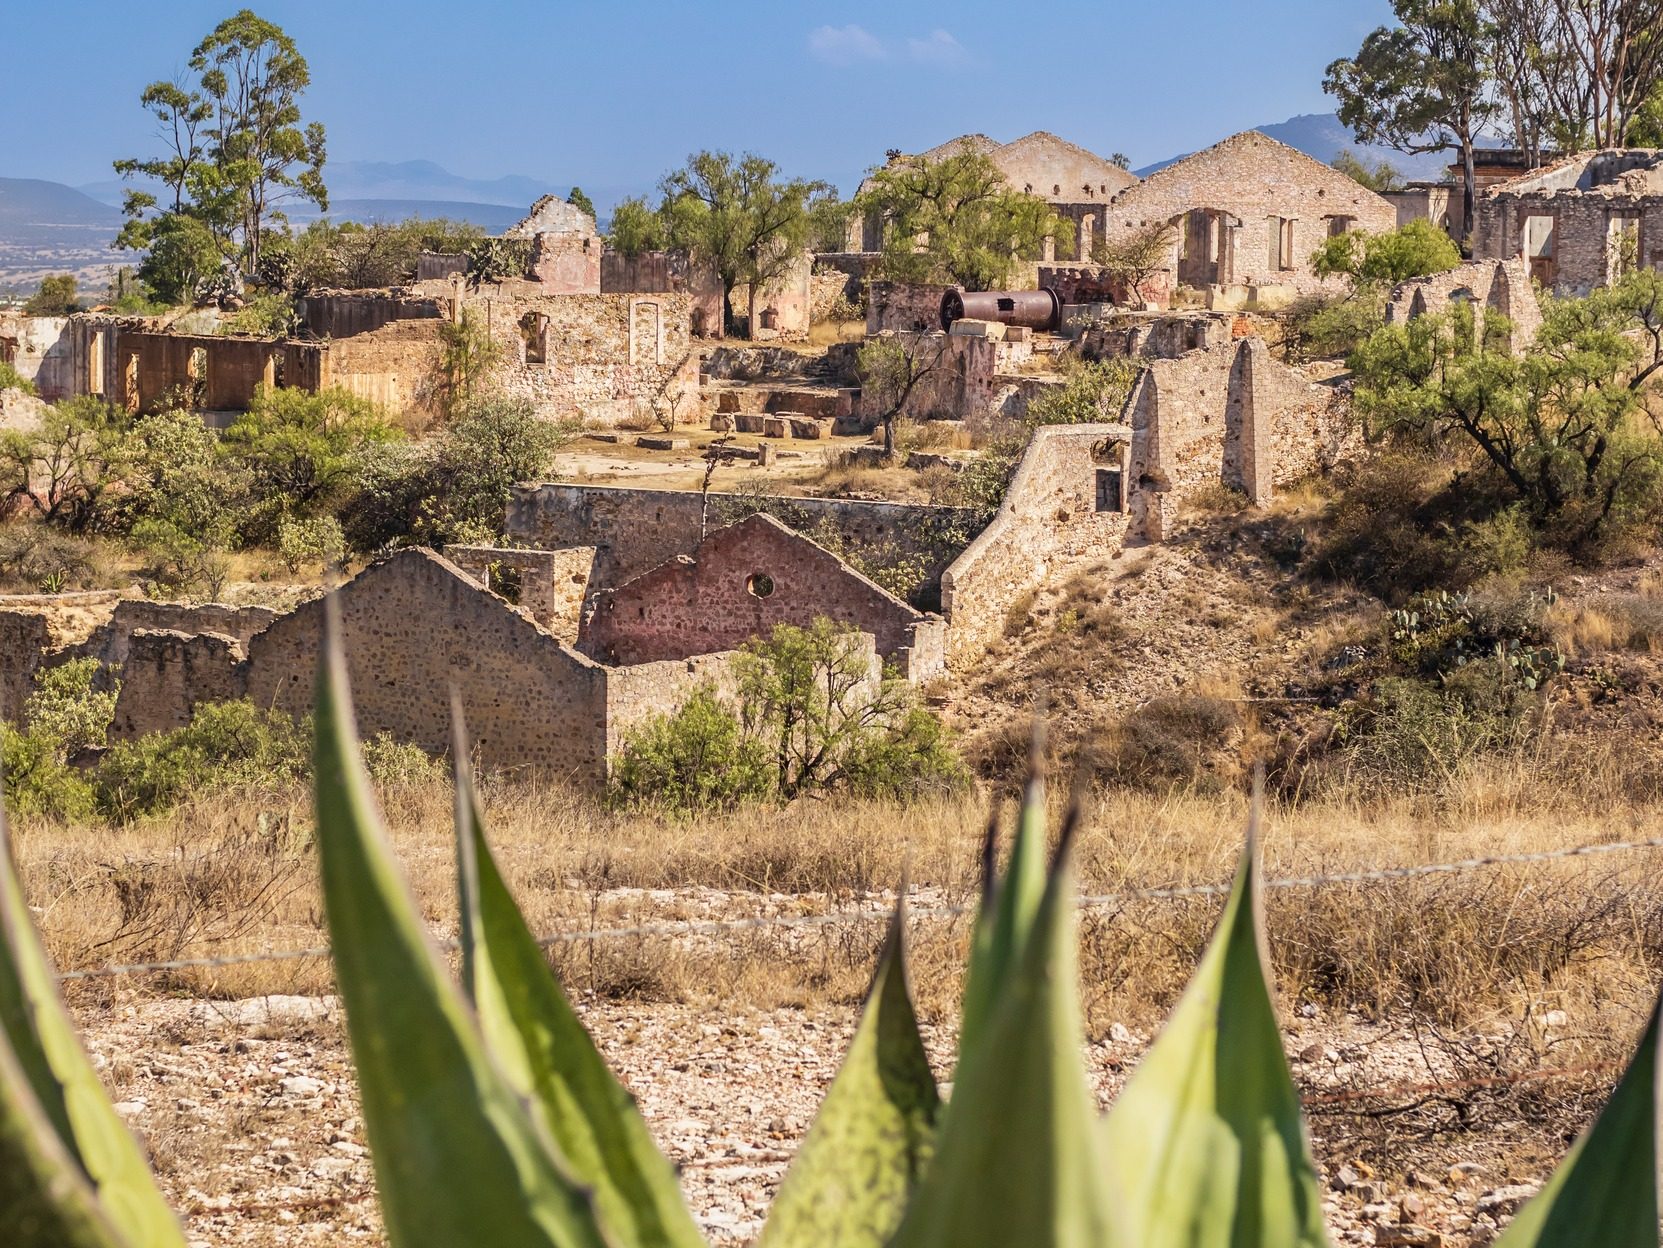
(1469,196)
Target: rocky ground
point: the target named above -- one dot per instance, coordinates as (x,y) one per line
(250,1113)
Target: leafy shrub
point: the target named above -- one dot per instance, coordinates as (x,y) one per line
(226,745)
(1333,326)
(11,379)
(811,717)
(318,541)
(1418,249)
(266,315)
(64,714)
(34,557)
(695,758)
(1095,391)
(178,562)
(1172,742)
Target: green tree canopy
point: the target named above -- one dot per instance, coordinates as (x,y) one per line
(636,227)
(236,144)
(1417,249)
(577,199)
(1379,176)
(956,221)
(741,216)
(56,296)
(1421,85)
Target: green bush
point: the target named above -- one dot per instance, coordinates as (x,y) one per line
(178,562)
(226,745)
(63,715)
(1095,391)
(694,759)
(318,541)
(811,717)
(1332,327)
(1418,249)
(11,379)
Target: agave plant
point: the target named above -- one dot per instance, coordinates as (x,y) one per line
(492,1118)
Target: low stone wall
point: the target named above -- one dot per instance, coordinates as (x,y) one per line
(1054,512)
(633,531)
(168,674)
(898,307)
(347,314)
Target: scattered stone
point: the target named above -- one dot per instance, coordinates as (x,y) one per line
(1505,1200)
(1407,1235)
(301,1086)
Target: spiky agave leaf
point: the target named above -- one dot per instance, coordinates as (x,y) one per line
(1018,1155)
(539,1043)
(64,1086)
(1206,1145)
(1006,917)
(458,1157)
(45,1199)
(1605,1190)
(869,1143)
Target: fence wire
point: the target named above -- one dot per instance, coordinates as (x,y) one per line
(717,927)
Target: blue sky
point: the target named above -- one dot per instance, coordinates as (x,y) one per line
(611,95)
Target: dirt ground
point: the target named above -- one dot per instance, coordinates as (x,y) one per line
(250,1112)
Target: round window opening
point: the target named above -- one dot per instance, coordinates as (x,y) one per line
(759,585)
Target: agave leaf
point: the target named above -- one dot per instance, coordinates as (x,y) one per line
(873,1136)
(1206,1143)
(1017,1159)
(45,1199)
(67,1094)
(1006,916)
(1605,1190)
(539,1043)
(458,1157)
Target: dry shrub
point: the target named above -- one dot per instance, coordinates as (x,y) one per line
(1609,622)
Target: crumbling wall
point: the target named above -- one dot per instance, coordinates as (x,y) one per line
(110,643)
(637,694)
(215,373)
(42,352)
(1063,504)
(168,673)
(346,314)
(1502,286)
(601,358)
(667,272)
(552,584)
(396,366)
(25,636)
(784,307)
(896,306)
(1231,415)
(413,626)
(633,531)
(740,583)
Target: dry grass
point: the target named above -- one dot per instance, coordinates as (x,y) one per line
(1461,951)
(1610,622)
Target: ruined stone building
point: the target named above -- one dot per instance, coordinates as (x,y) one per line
(1577,223)
(1501,286)
(739,583)
(1246,214)
(1075,182)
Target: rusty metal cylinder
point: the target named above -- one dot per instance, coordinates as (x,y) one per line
(1037,309)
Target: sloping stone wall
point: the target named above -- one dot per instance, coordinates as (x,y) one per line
(110,643)
(553,583)
(1051,515)
(1502,286)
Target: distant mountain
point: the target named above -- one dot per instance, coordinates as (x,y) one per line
(1321,135)
(492,218)
(47,227)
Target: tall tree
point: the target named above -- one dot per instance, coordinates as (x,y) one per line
(1422,85)
(741,217)
(956,221)
(237,146)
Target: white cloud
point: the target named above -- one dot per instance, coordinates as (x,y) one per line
(937,48)
(845,45)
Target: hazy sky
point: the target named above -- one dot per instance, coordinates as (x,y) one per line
(611,95)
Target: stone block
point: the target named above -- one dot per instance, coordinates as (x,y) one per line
(721,422)
(1017,333)
(750,422)
(661,442)
(809,427)
(727,401)
(776,426)
(968,328)
(607,437)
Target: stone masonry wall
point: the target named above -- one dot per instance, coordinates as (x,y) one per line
(637,694)
(633,531)
(395,367)
(553,583)
(415,624)
(111,642)
(1502,286)
(41,351)
(1051,515)
(603,357)
(25,637)
(741,582)
(1251,182)
(1587,232)
(1229,414)
(903,308)
(667,272)
(168,674)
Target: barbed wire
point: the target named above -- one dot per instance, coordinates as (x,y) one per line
(682,928)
